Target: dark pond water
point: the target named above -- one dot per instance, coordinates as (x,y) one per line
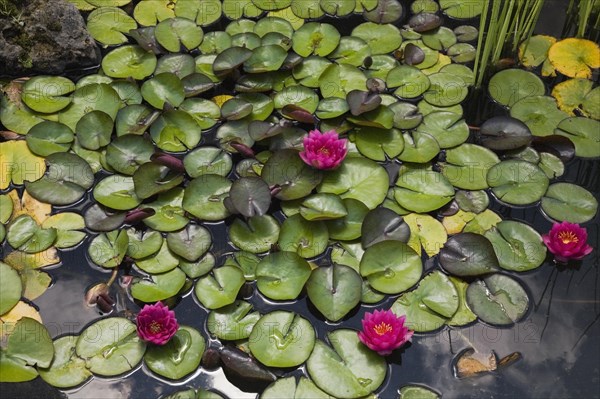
(559,339)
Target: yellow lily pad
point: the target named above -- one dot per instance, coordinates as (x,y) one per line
(534,52)
(22,261)
(577,95)
(456,223)
(575,58)
(27,205)
(426,232)
(19,164)
(221,99)
(20,310)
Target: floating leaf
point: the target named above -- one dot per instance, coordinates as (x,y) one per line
(282,275)
(220,287)
(129,60)
(255,235)
(190,243)
(126,153)
(47,93)
(232,322)
(504,133)
(143,243)
(282,339)
(204,197)
(382,224)
(425,232)
(518,246)
(179,357)
(10,286)
(517,182)
(169,214)
(159,286)
(423,190)
(418,392)
(468,254)
(67,369)
(575,57)
(108,25)
(467,166)
(448,128)
(94,130)
(19,164)
(109,249)
(569,202)
(584,133)
(334,290)
(24,234)
(463,315)
(511,85)
(539,113)
(173,33)
(498,299)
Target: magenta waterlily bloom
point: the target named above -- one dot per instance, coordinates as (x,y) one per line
(324,150)
(383,331)
(567,241)
(156,323)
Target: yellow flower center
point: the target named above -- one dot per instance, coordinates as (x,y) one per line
(155,327)
(568,237)
(383,328)
(324,151)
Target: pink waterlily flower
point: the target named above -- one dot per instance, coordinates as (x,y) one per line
(324,150)
(383,331)
(156,323)
(567,241)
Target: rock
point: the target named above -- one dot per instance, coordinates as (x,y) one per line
(44,37)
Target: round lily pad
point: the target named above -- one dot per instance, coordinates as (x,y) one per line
(256,234)
(232,322)
(575,57)
(468,254)
(67,369)
(315,38)
(178,357)
(110,346)
(108,25)
(426,232)
(94,130)
(417,392)
(504,133)
(448,128)
(467,166)
(347,368)
(382,39)
(109,249)
(282,275)
(430,305)
(498,299)
(446,89)
(159,286)
(517,182)
(47,94)
(569,202)
(220,287)
(117,192)
(423,190)
(511,85)
(151,179)
(173,33)
(169,214)
(24,234)
(518,246)
(419,147)
(382,224)
(163,88)
(584,133)
(539,113)
(334,290)
(282,339)
(472,201)
(307,238)
(126,153)
(286,169)
(204,197)
(130,60)
(409,81)
(391,267)
(143,243)
(190,243)
(10,286)
(349,226)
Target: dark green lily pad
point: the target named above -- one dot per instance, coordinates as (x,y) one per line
(190,243)
(151,179)
(163,88)
(406,116)
(517,182)
(98,218)
(382,224)
(67,369)
(232,322)
(391,267)
(178,357)
(65,182)
(199,267)
(230,59)
(517,245)
(282,275)
(334,290)
(117,192)
(430,305)
(159,286)
(183,65)
(286,169)
(256,235)
(282,339)
(109,249)
(126,153)
(468,254)
(220,287)
(569,202)
(467,166)
(249,196)
(504,133)
(94,130)
(498,299)
(110,346)
(511,85)
(349,226)
(347,368)
(204,197)
(472,201)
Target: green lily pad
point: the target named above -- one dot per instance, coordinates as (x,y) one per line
(448,128)
(379,144)
(409,81)
(204,197)
(334,290)
(382,39)
(347,369)
(142,243)
(441,38)
(349,226)
(463,315)
(10,286)
(150,12)
(337,80)
(469,254)
(423,190)
(110,346)
(322,207)
(265,58)
(430,305)
(94,130)
(391,267)
(472,201)
(467,166)
(517,182)
(249,196)
(232,322)
(178,357)
(159,286)
(351,50)
(511,85)
(98,218)
(92,97)
(315,38)
(406,116)
(386,11)
(539,113)
(382,224)
(163,88)
(26,348)
(66,181)
(569,202)
(169,214)
(246,261)
(256,234)
(151,179)
(282,275)
(117,192)
(205,112)
(287,170)
(129,60)
(190,243)
(419,147)
(198,268)
(135,119)
(220,287)
(357,178)
(299,96)
(462,9)
(160,262)
(446,89)
(282,339)
(552,165)
(498,299)
(417,392)
(307,238)
(24,234)
(108,25)
(518,246)
(67,369)
(287,388)
(173,33)
(126,153)
(109,249)
(584,133)
(47,94)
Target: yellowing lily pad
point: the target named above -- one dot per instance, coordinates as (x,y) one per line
(576,96)
(575,57)
(427,232)
(19,164)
